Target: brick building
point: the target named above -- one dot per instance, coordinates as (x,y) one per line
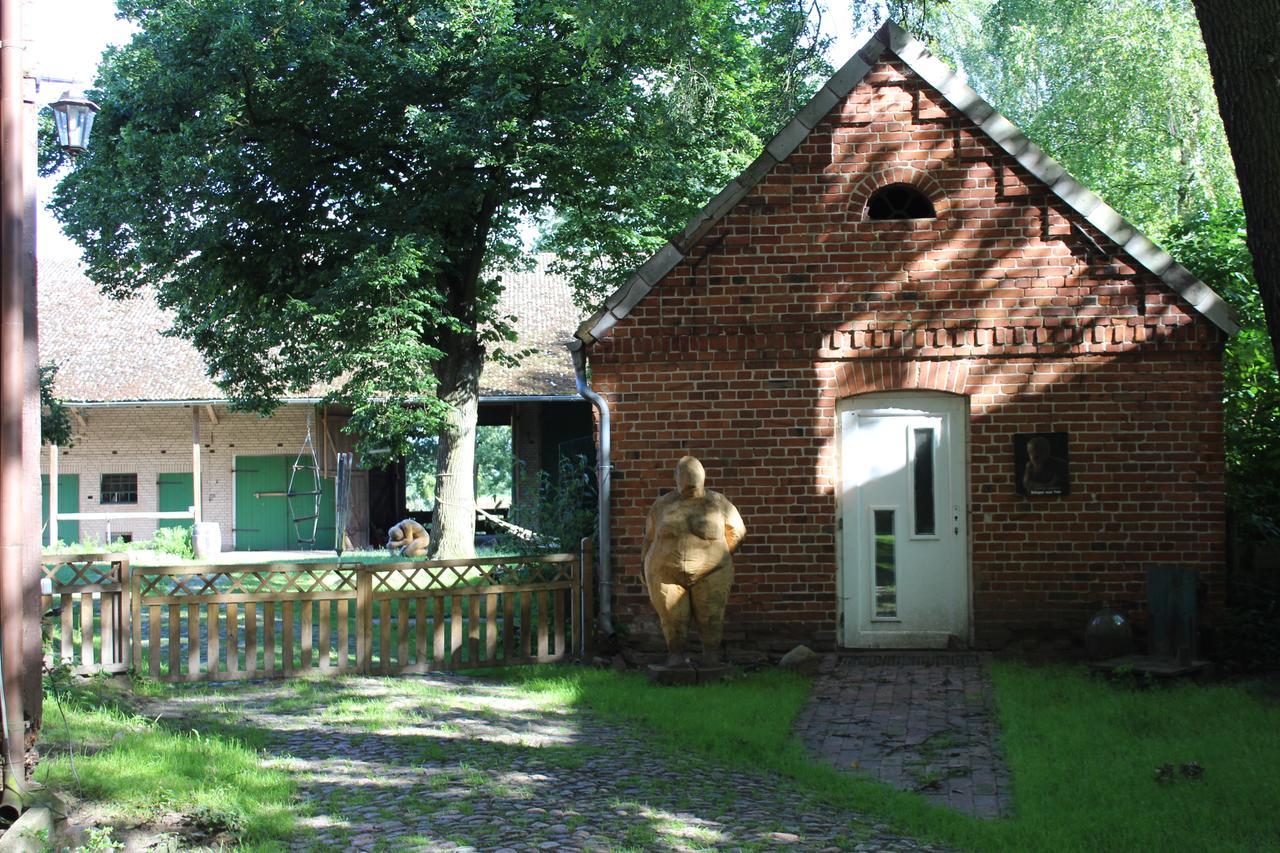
(140,400)
(955,397)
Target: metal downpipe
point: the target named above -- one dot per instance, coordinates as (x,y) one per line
(12,389)
(603,469)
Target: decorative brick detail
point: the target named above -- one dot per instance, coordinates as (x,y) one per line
(791,303)
(870,376)
(900,174)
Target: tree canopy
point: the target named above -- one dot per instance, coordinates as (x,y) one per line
(1118,91)
(325,192)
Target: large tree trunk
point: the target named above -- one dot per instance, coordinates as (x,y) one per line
(453,528)
(1243,40)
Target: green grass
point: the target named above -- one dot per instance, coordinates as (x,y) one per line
(137,770)
(1083,753)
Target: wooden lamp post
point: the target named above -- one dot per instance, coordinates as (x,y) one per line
(75,121)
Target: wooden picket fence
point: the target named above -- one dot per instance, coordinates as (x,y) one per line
(227,622)
(89,595)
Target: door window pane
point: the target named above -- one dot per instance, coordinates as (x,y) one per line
(886,564)
(922,481)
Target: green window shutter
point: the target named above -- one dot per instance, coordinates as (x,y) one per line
(68,501)
(175,493)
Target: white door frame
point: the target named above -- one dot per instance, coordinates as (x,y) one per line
(955,409)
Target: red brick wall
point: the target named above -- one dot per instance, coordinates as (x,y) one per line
(795,301)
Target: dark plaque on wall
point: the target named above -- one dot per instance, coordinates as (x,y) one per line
(1041,463)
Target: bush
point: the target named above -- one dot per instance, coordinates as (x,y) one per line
(565,511)
(1246,635)
(1213,247)
(175,541)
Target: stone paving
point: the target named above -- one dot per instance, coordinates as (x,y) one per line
(922,722)
(471,765)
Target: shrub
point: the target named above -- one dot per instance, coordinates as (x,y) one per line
(565,511)
(173,540)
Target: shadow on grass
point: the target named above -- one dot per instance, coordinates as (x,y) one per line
(1083,753)
(475,745)
(205,782)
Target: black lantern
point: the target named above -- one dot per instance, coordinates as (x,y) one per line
(74,114)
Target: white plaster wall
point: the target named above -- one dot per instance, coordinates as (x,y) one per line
(153,440)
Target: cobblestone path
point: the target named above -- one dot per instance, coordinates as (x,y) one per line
(450,763)
(918,721)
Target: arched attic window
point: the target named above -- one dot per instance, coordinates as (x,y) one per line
(899,201)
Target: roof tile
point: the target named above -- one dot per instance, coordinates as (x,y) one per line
(110,350)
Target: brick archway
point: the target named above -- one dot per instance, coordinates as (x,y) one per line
(922,181)
(867,376)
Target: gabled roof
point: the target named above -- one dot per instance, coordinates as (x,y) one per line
(892,38)
(111,351)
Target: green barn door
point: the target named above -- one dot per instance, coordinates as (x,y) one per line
(262,511)
(262,520)
(175,494)
(68,501)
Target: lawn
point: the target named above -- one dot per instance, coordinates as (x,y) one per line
(1086,755)
(136,770)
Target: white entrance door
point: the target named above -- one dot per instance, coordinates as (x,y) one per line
(904,520)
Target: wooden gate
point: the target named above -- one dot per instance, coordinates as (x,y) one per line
(89,594)
(215,623)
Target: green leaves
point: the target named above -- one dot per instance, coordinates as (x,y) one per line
(1213,247)
(1118,91)
(324,192)
(55,417)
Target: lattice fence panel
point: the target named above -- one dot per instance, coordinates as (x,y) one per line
(86,602)
(196,623)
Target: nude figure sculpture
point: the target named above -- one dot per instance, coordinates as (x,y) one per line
(408,538)
(688,539)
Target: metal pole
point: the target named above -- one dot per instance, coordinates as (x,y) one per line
(12,381)
(196,487)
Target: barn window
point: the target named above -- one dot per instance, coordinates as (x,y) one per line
(899,201)
(119,489)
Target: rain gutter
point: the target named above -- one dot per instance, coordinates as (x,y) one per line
(603,481)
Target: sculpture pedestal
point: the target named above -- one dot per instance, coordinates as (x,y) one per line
(690,674)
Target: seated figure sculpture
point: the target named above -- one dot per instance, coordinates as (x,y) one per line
(688,539)
(408,539)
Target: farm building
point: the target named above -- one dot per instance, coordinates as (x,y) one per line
(956,397)
(145,411)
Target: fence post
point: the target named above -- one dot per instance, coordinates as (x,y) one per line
(575,607)
(364,619)
(586,558)
(135,596)
(124,626)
